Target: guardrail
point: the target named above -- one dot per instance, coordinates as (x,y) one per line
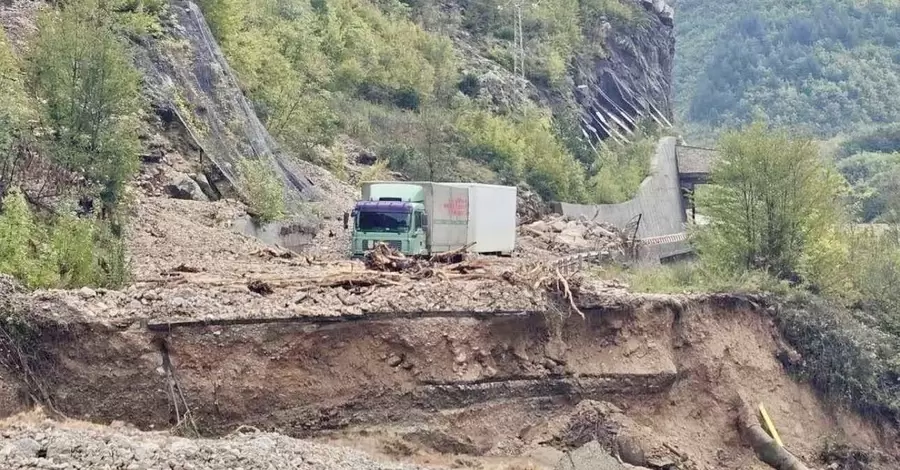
(663,239)
(575,262)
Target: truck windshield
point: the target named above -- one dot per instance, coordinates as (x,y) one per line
(382,222)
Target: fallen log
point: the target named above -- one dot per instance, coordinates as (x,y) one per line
(765,447)
(455,256)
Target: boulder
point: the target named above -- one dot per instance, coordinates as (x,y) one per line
(591,456)
(206,187)
(182,186)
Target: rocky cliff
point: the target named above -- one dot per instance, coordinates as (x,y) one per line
(634,81)
(619,73)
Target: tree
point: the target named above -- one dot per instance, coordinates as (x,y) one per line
(434,143)
(264,191)
(772,199)
(90,92)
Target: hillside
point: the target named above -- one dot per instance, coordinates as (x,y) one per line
(828,67)
(440,90)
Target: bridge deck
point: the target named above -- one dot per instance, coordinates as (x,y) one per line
(694,163)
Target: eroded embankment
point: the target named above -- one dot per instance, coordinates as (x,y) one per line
(303,374)
(497,382)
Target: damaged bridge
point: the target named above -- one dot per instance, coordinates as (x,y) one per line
(662,202)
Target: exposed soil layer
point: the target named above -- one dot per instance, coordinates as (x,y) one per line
(654,379)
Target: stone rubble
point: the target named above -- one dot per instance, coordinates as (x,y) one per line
(27,441)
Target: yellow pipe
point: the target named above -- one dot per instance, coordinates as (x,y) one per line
(770,427)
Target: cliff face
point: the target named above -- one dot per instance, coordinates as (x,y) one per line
(634,81)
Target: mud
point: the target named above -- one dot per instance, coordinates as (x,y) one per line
(419,387)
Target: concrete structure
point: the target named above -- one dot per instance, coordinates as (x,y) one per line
(660,201)
(693,169)
(294,235)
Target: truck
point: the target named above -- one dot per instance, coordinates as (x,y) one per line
(423,218)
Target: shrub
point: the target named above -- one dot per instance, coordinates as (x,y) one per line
(377,172)
(772,199)
(23,251)
(65,251)
(842,357)
(621,167)
(524,149)
(263,190)
(90,91)
(72,241)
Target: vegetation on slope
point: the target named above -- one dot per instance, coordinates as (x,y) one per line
(870,160)
(828,66)
(387,74)
(68,134)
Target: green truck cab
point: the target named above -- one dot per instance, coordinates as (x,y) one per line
(395,215)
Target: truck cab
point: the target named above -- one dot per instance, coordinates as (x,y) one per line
(395,215)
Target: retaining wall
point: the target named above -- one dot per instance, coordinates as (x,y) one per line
(658,199)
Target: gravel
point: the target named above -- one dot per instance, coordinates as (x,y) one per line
(48,444)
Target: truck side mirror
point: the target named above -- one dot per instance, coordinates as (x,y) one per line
(424,220)
(346,220)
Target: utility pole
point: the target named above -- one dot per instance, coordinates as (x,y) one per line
(518,39)
(521,45)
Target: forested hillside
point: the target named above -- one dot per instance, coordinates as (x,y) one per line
(436,91)
(828,65)
(830,68)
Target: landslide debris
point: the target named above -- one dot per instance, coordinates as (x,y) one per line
(28,441)
(561,235)
(190,263)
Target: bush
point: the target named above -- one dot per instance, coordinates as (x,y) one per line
(23,251)
(89,92)
(263,190)
(621,167)
(64,252)
(523,149)
(772,201)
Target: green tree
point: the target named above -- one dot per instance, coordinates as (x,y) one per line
(772,201)
(90,93)
(264,190)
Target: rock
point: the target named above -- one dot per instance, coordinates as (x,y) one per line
(153,156)
(394,360)
(460,357)
(365,157)
(661,462)
(24,447)
(540,226)
(87,293)
(183,447)
(591,456)
(182,186)
(208,190)
(558,226)
(631,451)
